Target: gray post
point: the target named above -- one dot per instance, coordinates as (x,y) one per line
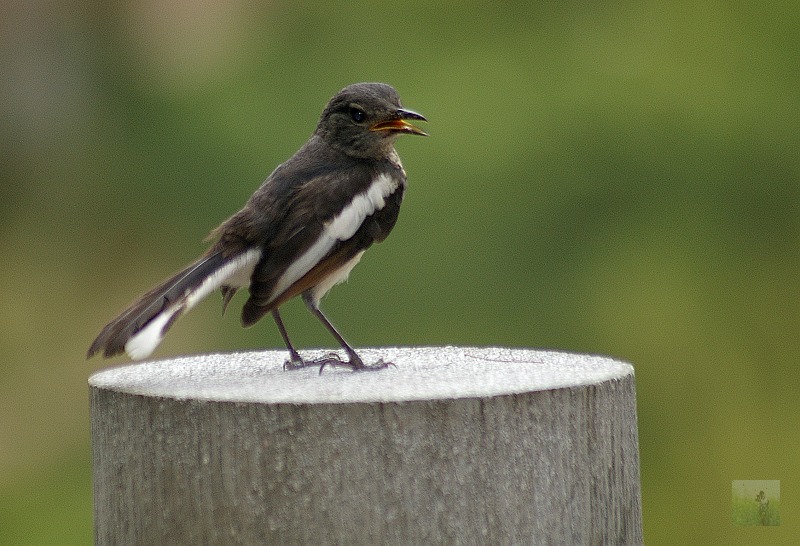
(451,446)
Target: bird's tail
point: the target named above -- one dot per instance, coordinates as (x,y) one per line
(140,328)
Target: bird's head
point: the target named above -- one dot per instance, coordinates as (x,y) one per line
(364,120)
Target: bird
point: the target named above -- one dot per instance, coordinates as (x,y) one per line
(300,233)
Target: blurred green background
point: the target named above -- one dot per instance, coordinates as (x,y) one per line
(612,177)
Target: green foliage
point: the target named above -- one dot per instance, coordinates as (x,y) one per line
(746,512)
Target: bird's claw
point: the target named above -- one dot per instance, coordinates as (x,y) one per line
(354,364)
(334,360)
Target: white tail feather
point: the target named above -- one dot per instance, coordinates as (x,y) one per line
(235,272)
(144,342)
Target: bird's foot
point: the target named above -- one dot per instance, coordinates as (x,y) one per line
(355,363)
(332,359)
(296,362)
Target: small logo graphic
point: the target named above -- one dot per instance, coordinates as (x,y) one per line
(756,502)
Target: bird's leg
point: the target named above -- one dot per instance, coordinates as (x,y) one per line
(354,361)
(295,360)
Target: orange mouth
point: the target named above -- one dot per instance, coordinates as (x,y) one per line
(400,125)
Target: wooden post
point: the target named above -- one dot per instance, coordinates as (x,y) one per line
(453,445)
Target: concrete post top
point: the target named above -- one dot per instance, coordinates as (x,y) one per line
(420,373)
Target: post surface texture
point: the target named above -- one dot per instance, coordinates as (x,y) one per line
(453,445)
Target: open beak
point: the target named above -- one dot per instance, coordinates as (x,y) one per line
(399,123)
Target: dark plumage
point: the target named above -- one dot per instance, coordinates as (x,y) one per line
(300,233)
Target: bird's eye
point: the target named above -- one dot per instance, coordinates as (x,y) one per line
(357,114)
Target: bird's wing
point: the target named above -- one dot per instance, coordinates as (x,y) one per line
(326,224)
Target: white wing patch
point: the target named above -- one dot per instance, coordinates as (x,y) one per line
(339,228)
(345,224)
(144,342)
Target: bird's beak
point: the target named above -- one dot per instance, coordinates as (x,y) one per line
(399,123)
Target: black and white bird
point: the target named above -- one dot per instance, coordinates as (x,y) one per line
(300,233)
